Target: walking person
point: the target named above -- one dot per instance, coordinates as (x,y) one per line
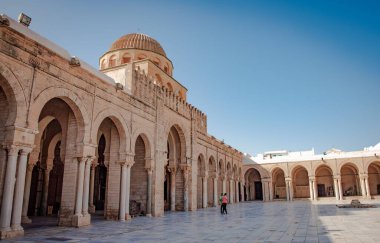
(220,202)
(224,203)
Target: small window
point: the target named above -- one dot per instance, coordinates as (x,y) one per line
(103,64)
(156,61)
(126,59)
(112,61)
(141,57)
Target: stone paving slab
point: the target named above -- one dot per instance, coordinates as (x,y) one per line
(298,221)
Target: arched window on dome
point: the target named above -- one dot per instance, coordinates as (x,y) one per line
(126,58)
(112,61)
(166,69)
(158,80)
(141,57)
(170,87)
(156,61)
(103,64)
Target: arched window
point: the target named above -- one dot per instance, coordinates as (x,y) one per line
(156,61)
(103,64)
(112,61)
(141,57)
(166,69)
(126,58)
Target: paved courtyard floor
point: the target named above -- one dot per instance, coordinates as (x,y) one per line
(298,221)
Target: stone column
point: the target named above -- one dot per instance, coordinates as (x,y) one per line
(80,182)
(25,204)
(45,190)
(242,191)
(204,191)
(19,191)
(186,169)
(315,188)
(149,202)
(367,187)
(311,188)
(9,182)
(340,188)
(287,189)
(363,187)
(336,189)
(224,185)
(215,191)
(172,188)
(231,191)
(91,208)
(270,190)
(123,191)
(86,186)
(291,190)
(128,190)
(237,191)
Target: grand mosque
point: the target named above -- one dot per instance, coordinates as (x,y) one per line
(122,141)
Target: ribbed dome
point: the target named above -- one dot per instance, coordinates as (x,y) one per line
(138,41)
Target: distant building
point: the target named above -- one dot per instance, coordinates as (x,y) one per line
(334,174)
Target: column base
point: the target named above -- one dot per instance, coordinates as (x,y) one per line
(127,217)
(26,220)
(10,233)
(148,215)
(91,209)
(81,220)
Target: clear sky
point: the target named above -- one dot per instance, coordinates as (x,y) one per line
(269,74)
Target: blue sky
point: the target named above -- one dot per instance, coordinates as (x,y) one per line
(269,74)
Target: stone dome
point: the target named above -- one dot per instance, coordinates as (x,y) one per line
(138,41)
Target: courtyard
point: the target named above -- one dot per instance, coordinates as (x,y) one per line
(278,221)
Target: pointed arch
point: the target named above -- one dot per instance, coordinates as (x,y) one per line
(118,121)
(15,96)
(72,100)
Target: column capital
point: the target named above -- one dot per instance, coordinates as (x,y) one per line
(311,178)
(49,168)
(149,163)
(288,179)
(128,160)
(26,150)
(172,169)
(12,149)
(93,164)
(80,159)
(149,170)
(185,168)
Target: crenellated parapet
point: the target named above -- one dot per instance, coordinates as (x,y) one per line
(143,88)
